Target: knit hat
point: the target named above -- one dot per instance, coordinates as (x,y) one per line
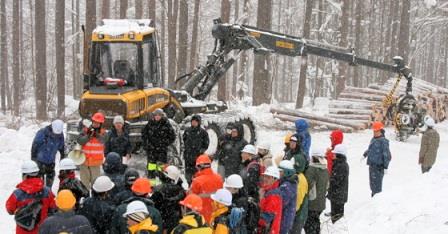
(158,112)
(118,119)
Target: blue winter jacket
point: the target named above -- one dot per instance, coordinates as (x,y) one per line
(46,144)
(304,136)
(288,188)
(378,153)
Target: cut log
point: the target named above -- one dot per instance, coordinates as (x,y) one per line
(310,116)
(350,89)
(315,124)
(350,112)
(350,105)
(358,100)
(368,97)
(350,117)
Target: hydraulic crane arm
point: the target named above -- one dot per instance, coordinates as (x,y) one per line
(230,37)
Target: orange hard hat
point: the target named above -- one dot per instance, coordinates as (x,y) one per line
(376,126)
(193,202)
(98,117)
(287,138)
(65,200)
(203,159)
(142,185)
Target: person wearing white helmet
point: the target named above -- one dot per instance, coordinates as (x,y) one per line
(271,202)
(68,180)
(222,200)
(98,208)
(264,152)
(338,189)
(31,188)
(251,171)
(138,218)
(429,146)
(47,142)
(288,188)
(166,197)
(317,177)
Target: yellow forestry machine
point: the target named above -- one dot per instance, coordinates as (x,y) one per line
(124,77)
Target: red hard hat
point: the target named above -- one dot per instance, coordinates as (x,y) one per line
(141,185)
(376,126)
(203,159)
(193,202)
(98,117)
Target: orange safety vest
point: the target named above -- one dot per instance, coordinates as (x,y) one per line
(94,151)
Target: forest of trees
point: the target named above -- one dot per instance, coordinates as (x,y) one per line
(41,44)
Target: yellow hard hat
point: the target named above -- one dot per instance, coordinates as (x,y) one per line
(287,138)
(65,200)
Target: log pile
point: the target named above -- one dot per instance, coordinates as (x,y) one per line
(356,108)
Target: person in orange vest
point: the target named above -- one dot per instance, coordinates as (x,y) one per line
(205,183)
(92,140)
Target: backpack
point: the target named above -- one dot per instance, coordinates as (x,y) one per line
(235,221)
(28,216)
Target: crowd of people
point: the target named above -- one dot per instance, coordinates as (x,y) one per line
(251,191)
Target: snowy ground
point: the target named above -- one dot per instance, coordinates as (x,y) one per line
(411,202)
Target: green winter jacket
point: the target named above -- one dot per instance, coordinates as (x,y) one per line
(428,149)
(300,162)
(317,176)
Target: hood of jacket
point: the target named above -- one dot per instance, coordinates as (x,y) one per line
(31,185)
(337,136)
(113,163)
(301,125)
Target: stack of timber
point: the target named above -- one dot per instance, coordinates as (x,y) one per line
(356,108)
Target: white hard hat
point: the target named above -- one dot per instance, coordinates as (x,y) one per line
(135,207)
(222,196)
(57,126)
(272,171)
(76,155)
(250,149)
(118,119)
(67,164)
(286,164)
(318,151)
(29,167)
(103,184)
(429,121)
(264,145)
(340,149)
(233,181)
(173,173)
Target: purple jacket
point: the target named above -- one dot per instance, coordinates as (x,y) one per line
(288,188)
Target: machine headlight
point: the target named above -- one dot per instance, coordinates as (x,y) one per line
(405,119)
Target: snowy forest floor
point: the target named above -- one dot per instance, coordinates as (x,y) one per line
(410,202)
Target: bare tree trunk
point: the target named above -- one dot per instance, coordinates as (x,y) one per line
(395,29)
(183,40)
(41,62)
(222,83)
(173,8)
(358,33)
(194,36)
(90,25)
(60,55)
(16,58)
(152,9)
(162,38)
(235,65)
(4,55)
(301,90)
(343,43)
(243,57)
(403,45)
(317,80)
(105,9)
(138,9)
(123,8)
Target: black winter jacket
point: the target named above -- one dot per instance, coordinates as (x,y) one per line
(166,199)
(118,225)
(229,152)
(66,222)
(120,144)
(251,178)
(98,212)
(76,186)
(338,190)
(158,135)
(196,142)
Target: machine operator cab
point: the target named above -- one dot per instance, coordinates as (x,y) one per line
(123,57)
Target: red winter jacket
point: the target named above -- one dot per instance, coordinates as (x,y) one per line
(24,194)
(204,184)
(271,210)
(337,136)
